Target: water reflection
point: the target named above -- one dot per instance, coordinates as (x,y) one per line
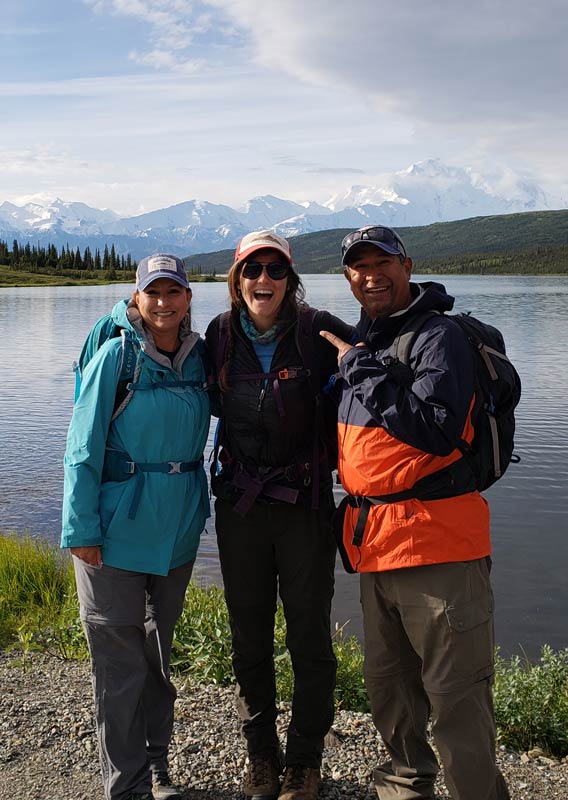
(42,330)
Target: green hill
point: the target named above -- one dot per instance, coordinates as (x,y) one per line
(534,242)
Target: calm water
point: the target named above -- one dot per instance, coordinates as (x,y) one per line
(41,332)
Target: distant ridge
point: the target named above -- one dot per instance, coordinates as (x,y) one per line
(535,241)
(424,193)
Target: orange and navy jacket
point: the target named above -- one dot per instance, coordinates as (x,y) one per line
(393,433)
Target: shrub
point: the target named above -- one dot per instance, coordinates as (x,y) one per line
(202,639)
(39,610)
(531,702)
(202,650)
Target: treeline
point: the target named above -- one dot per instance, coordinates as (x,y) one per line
(542,260)
(49,259)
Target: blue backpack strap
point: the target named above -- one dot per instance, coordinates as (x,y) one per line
(105,328)
(128,373)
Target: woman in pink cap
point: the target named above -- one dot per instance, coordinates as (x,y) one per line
(272,480)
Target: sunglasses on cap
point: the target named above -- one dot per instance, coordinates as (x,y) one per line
(275,270)
(377,234)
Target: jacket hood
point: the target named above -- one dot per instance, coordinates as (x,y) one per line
(119,314)
(428,296)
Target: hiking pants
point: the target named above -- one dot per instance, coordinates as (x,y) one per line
(429,651)
(287,549)
(128,619)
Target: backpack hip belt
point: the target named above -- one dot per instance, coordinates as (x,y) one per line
(118,466)
(262,482)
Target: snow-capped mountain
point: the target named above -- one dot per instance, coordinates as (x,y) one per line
(426,192)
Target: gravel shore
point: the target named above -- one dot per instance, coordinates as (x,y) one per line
(48,745)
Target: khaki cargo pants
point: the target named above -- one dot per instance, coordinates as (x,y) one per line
(429,653)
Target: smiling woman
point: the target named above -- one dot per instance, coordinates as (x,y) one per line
(272,481)
(135,503)
(163,305)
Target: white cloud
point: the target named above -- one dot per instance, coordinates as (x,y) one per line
(175,27)
(225,99)
(42,160)
(436,61)
(486,78)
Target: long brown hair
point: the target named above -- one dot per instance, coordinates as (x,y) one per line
(293,299)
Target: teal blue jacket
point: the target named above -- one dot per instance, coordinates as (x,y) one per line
(157,425)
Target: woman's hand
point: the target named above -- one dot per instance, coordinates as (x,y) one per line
(90,555)
(342,347)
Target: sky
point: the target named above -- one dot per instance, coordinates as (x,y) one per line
(136,105)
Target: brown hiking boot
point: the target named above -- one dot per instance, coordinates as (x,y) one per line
(261,781)
(300,783)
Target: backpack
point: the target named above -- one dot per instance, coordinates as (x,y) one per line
(498,391)
(105,328)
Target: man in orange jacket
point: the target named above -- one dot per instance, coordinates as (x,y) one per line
(425,588)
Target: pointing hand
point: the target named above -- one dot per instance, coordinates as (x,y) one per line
(342,347)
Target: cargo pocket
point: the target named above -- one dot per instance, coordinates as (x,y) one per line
(94,590)
(471,637)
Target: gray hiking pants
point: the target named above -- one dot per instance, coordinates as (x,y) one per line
(429,652)
(129,619)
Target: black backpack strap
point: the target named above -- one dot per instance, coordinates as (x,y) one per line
(404,341)
(306,348)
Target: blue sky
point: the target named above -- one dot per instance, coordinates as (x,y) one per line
(140,104)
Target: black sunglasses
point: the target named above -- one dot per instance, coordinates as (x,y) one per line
(275,270)
(376,234)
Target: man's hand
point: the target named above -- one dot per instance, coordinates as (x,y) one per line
(90,555)
(342,347)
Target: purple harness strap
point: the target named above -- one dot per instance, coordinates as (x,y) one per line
(255,485)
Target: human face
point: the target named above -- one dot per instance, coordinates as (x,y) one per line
(162,305)
(379,281)
(263,296)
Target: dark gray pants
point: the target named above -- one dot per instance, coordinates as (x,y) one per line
(429,652)
(289,549)
(129,620)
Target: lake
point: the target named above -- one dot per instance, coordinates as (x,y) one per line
(42,330)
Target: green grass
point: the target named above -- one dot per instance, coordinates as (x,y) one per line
(39,611)
(38,601)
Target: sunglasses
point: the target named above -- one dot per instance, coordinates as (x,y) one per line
(375,234)
(275,270)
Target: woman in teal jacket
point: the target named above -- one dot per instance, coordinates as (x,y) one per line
(135,503)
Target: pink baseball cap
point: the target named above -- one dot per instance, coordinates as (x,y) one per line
(259,240)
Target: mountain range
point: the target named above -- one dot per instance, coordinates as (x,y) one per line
(424,193)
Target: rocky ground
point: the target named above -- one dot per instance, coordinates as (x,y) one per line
(48,749)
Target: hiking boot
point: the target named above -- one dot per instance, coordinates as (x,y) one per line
(139,796)
(261,781)
(163,788)
(300,783)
